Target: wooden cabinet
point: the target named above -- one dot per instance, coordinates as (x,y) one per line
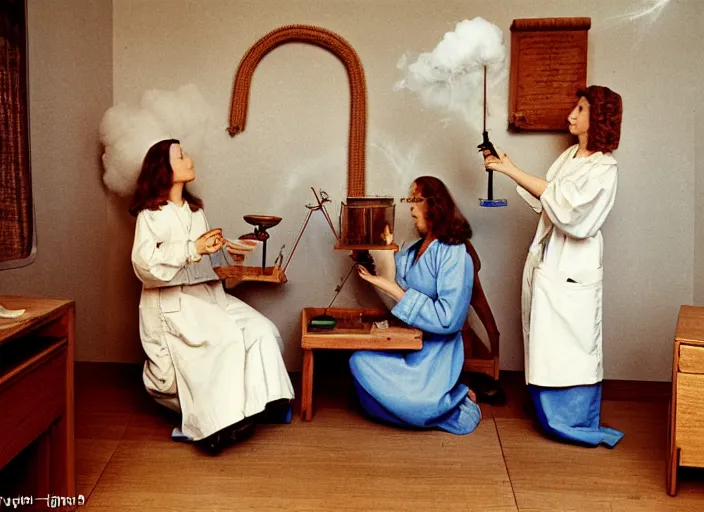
(37,403)
(686,426)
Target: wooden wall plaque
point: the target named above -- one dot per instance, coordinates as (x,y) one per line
(548,66)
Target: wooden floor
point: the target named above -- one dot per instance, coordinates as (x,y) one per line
(341,461)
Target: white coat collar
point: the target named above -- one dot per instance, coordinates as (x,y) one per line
(597,158)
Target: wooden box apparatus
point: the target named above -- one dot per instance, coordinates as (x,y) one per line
(363,221)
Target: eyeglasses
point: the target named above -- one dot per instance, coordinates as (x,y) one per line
(412,199)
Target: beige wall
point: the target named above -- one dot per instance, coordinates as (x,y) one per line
(297,136)
(85,56)
(699,172)
(70,86)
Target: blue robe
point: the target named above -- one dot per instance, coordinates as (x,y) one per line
(573,414)
(420,389)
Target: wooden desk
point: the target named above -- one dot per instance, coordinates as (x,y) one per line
(686,426)
(37,400)
(355,330)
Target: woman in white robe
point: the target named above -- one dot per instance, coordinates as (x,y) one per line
(210,356)
(562,277)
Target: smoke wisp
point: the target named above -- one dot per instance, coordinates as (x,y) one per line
(127,132)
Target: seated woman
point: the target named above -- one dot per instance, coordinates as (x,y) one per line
(433,287)
(210,356)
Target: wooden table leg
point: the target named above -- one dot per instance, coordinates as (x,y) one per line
(307,386)
(62,432)
(672,472)
(672,454)
(672,450)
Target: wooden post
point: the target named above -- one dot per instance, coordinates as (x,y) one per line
(673,452)
(307,386)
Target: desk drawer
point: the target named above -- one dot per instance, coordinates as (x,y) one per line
(689,404)
(32,397)
(691,359)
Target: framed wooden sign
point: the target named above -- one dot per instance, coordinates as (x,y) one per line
(548,66)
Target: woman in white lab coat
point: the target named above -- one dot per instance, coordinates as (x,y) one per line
(210,356)
(562,277)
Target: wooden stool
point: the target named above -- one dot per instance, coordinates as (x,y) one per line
(355,330)
(479,357)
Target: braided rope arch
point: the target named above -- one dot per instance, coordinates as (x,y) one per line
(339,47)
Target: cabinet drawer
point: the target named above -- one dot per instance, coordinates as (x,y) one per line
(691,359)
(32,397)
(689,433)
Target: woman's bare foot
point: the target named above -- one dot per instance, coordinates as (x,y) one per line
(472,396)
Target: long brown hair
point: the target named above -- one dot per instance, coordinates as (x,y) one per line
(444,218)
(605,113)
(156,179)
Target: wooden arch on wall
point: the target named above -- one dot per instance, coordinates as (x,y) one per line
(358,100)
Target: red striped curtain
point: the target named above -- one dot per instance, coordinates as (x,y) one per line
(15,182)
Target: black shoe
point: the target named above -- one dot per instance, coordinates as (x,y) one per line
(217,442)
(213,444)
(278,411)
(488,390)
(242,430)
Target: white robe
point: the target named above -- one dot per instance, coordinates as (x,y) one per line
(562,320)
(210,356)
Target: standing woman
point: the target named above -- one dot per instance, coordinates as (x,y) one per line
(433,287)
(562,277)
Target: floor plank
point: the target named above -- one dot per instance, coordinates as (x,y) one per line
(550,476)
(343,461)
(339,461)
(97,437)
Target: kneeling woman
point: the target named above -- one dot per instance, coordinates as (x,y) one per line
(210,356)
(433,287)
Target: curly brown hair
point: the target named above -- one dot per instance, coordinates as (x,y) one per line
(156,179)
(444,218)
(605,113)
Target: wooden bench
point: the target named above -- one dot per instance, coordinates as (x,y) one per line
(355,330)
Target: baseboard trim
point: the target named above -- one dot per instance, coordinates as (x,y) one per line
(613,389)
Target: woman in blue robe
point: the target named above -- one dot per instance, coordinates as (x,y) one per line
(433,287)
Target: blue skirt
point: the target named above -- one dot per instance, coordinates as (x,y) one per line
(573,414)
(416,390)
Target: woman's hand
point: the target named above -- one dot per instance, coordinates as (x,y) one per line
(364,274)
(387,236)
(210,242)
(533,184)
(503,164)
(391,288)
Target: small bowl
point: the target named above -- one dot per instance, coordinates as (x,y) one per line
(263,221)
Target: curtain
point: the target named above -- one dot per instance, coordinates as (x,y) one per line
(16,223)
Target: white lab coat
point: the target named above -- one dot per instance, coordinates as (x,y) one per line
(210,356)
(562,320)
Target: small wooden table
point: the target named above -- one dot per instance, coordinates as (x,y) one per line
(36,398)
(355,330)
(686,426)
